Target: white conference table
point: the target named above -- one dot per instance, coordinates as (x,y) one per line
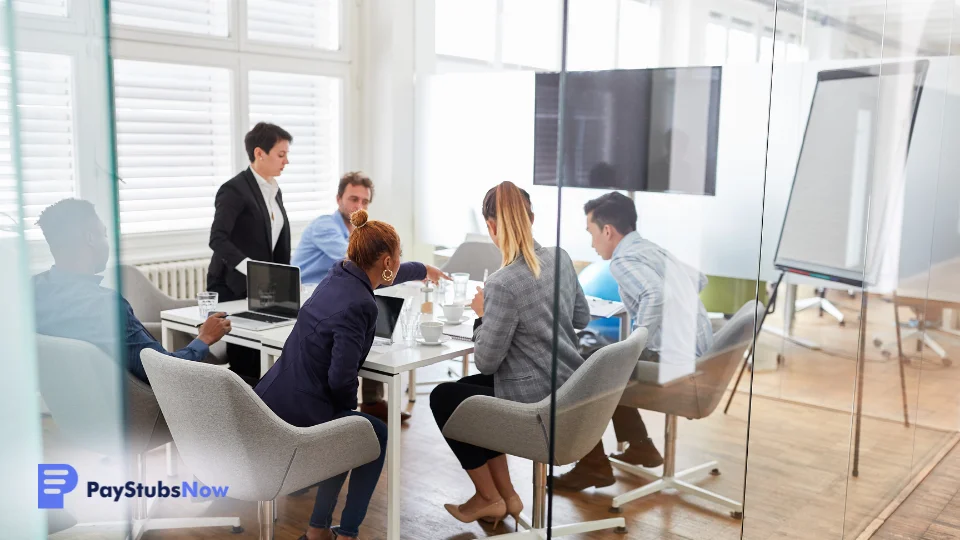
(386,364)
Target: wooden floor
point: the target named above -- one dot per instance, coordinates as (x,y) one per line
(798,483)
(932,511)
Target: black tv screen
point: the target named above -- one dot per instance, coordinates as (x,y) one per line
(632,129)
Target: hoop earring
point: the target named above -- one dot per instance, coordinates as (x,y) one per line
(387,275)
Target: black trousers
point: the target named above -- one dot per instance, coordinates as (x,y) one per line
(244,361)
(445,399)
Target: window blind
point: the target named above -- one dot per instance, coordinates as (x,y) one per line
(53,8)
(46,137)
(205,17)
(302,23)
(173,143)
(308,106)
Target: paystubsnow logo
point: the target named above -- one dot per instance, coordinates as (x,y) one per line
(56,480)
(53,482)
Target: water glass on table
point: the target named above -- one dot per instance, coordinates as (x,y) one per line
(460,282)
(207,303)
(409,322)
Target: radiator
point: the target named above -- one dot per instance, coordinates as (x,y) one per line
(179,279)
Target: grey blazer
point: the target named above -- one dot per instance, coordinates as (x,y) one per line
(514,341)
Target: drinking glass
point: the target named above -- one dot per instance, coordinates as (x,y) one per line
(409,322)
(460,281)
(207,303)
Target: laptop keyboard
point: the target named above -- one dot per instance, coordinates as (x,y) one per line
(259,317)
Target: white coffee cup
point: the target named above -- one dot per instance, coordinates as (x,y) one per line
(431,331)
(453,312)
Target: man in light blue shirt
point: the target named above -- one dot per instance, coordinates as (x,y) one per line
(661,294)
(71,303)
(324,241)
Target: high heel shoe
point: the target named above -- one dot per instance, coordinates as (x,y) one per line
(495,511)
(514,507)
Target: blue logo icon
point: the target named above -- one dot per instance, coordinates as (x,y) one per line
(53,482)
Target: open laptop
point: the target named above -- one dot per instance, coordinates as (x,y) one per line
(388,313)
(273,297)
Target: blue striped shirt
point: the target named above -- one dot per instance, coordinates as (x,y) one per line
(661,294)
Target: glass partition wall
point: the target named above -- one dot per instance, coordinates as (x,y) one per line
(858,213)
(700,157)
(64,419)
(656,188)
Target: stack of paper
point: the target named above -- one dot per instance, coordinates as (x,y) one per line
(601,309)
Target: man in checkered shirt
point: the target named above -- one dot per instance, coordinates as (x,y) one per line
(661,294)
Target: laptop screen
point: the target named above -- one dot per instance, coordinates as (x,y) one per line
(388,313)
(273,289)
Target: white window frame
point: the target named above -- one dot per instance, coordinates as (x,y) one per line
(75,34)
(449,62)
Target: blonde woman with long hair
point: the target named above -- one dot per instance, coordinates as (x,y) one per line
(514,343)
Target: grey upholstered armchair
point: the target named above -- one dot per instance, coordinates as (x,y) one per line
(227,436)
(584,407)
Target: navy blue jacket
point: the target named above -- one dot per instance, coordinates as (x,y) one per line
(316,375)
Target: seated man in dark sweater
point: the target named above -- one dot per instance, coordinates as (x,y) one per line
(71,303)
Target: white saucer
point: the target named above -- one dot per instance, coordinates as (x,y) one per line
(463,319)
(443,339)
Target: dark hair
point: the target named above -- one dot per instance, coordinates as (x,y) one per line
(64,223)
(614,209)
(355,178)
(264,136)
(370,239)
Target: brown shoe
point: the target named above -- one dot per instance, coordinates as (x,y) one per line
(379,410)
(586,474)
(642,453)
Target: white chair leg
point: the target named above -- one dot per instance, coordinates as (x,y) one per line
(807,303)
(672,479)
(934,346)
(525,535)
(635,470)
(653,487)
(589,526)
(686,474)
(832,310)
(698,491)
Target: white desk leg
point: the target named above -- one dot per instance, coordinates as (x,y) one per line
(624,326)
(265,362)
(394,391)
(166,337)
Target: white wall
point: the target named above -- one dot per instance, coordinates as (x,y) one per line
(475,130)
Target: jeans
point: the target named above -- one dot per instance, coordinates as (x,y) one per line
(363,480)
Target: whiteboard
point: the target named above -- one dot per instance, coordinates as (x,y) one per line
(846,199)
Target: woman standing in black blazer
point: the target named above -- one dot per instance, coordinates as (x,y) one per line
(250,223)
